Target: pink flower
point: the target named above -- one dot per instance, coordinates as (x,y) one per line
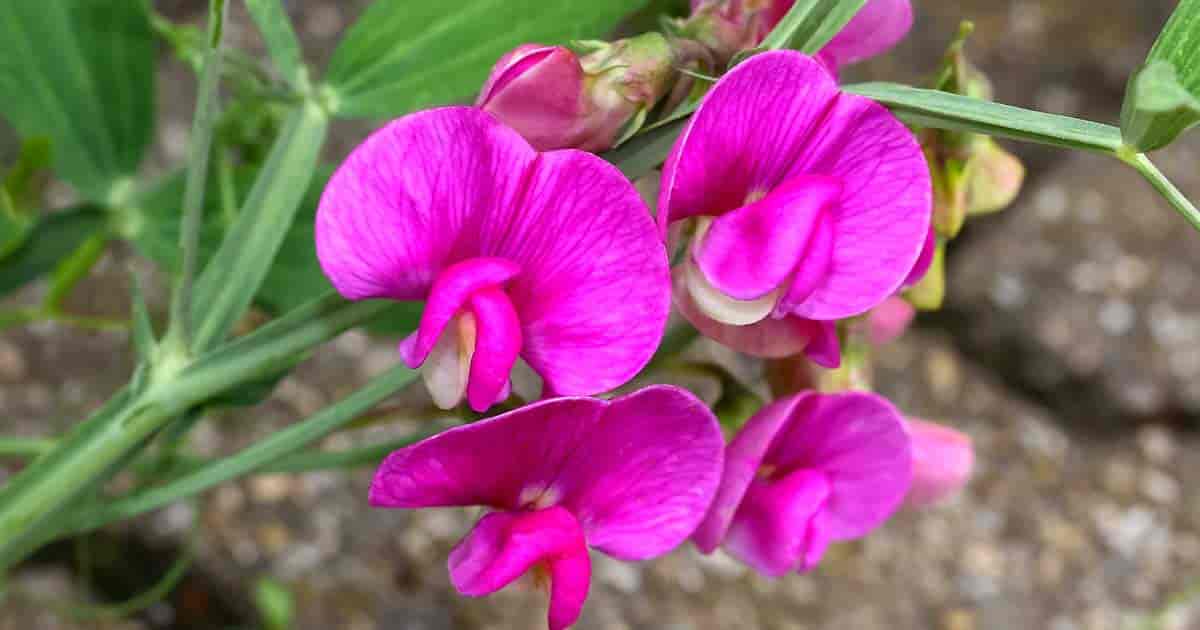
(631,478)
(942,462)
(557,100)
(805,471)
(552,257)
(811,205)
(733,25)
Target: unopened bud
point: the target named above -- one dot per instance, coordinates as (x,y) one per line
(556,99)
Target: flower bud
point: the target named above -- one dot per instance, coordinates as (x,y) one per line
(942,462)
(556,99)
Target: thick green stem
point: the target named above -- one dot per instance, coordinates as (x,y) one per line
(180,329)
(1165,187)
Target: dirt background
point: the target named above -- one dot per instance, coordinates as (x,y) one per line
(1069,350)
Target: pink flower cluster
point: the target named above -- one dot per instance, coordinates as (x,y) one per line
(804,205)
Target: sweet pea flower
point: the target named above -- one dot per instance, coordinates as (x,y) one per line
(808,470)
(631,478)
(942,462)
(810,206)
(732,25)
(558,100)
(552,257)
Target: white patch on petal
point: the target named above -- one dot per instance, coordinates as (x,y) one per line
(715,304)
(448,366)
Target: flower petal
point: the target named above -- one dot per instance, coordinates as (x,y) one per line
(594,292)
(498,342)
(745,135)
(778,116)
(942,462)
(450,293)
(644,475)
(770,337)
(448,185)
(750,251)
(860,442)
(408,201)
(743,457)
(539,94)
(774,524)
(874,30)
(924,260)
(889,320)
(507,462)
(638,472)
(504,545)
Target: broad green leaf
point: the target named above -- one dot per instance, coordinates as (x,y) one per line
(20,193)
(941,110)
(276,28)
(236,271)
(82,73)
(404,55)
(810,24)
(52,239)
(645,151)
(295,277)
(153,220)
(1161,101)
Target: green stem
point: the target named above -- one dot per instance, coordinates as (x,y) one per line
(23,316)
(1173,195)
(75,268)
(24,448)
(31,502)
(260,454)
(180,328)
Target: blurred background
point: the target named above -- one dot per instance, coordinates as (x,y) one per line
(1069,350)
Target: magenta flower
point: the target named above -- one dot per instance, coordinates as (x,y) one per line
(630,477)
(552,257)
(942,462)
(809,204)
(805,471)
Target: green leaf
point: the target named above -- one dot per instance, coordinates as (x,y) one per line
(810,24)
(233,276)
(295,277)
(153,219)
(404,55)
(1157,108)
(941,110)
(81,72)
(20,193)
(143,330)
(52,239)
(277,31)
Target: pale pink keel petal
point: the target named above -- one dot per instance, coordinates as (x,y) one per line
(504,545)
(400,207)
(874,30)
(859,441)
(507,462)
(594,292)
(644,475)
(769,337)
(773,530)
(750,251)
(942,462)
